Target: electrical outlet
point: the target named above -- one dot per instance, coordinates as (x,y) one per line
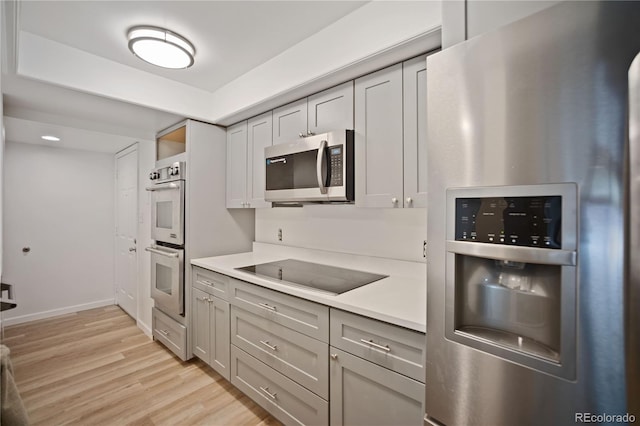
(424,249)
(280,234)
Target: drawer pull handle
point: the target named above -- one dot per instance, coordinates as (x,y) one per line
(385,348)
(266,390)
(205,282)
(266,343)
(268,307)
(165,332)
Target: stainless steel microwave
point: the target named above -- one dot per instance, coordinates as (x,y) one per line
(316,169)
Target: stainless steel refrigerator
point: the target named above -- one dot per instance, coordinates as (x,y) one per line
(533,265)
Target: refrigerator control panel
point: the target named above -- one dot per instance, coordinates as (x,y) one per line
(518,221)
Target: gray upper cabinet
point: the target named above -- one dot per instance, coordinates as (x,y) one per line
(415,132)
(246,142)
(290,122)
(259,137)
(391,136)
(378,138)
(331,109)
(237,165)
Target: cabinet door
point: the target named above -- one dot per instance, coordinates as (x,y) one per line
(331,109)
(237,165)
(289,122)
(363,393)
(259,137)
(200,324)
(220,336)
(415,132)
(378,138)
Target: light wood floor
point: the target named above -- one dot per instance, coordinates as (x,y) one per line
(97,368)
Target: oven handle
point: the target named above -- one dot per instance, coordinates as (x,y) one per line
(160,252)
(319,163)
(162,186)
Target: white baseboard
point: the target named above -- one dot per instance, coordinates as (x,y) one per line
(145,328)
(56,312)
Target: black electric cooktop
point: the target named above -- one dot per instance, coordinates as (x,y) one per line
(325,278)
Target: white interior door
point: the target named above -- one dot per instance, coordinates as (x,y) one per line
(126,230)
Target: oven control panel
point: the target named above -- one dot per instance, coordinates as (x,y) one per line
(520,221)
(335,165)
(169,173)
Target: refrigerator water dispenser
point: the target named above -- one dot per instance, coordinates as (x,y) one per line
(511,273)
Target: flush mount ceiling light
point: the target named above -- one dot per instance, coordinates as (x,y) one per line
(161,47)
(50,138)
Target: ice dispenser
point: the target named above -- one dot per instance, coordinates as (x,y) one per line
(511,273)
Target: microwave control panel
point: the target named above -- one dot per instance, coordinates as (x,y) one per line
(520,221)
(335,165)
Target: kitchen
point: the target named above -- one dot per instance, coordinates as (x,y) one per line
(386,234)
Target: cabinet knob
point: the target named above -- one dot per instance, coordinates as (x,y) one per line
(334,356)
(310,133)
(301,135)
(409,200)
(394,200)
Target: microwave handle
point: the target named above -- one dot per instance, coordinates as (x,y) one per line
(320,160)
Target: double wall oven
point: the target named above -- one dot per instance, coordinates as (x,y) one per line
(167,229)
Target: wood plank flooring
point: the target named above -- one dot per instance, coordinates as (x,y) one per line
(97,368)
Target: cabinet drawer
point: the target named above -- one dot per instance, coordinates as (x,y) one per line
(171,333)
(299,357)
(211,282)
(390,346)
(286,400)
(297,314)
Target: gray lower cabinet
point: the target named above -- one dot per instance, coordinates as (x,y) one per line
(299,357)
(211,340)
(363,393)
(306,363)
(171,333)
(282,397)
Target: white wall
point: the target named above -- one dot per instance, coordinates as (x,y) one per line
(60,203)
(391,233)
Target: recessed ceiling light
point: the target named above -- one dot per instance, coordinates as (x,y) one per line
(51,138)
(161,47)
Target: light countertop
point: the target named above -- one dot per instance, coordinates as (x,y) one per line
(400,299)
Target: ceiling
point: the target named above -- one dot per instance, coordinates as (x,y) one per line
(231,38)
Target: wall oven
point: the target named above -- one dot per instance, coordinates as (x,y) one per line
(167,278)
(317,169)
(167,204)
(167,229)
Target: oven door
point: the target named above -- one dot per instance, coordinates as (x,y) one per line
(167,278)
(167,212)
